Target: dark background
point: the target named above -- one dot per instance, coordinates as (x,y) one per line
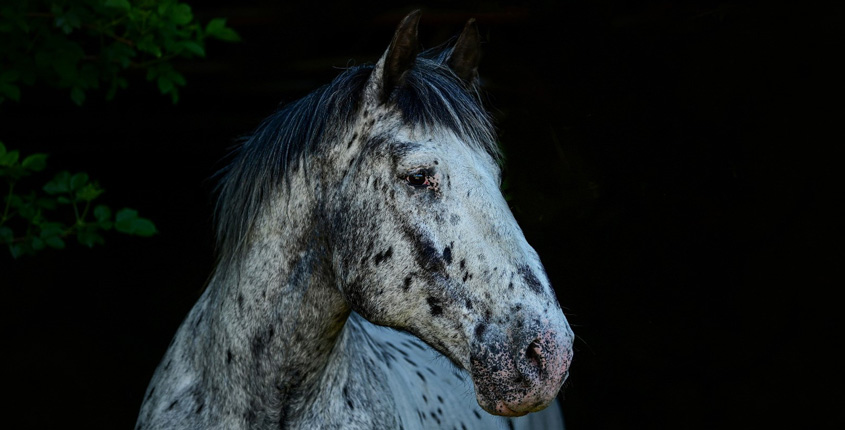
(674,164)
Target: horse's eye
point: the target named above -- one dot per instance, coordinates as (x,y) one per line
(417,179)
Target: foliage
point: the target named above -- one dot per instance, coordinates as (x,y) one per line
(33,212)
(80,45)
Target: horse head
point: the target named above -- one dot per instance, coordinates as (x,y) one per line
(422,239)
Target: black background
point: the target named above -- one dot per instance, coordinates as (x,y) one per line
(674,164)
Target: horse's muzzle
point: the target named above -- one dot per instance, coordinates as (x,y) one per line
(515,374)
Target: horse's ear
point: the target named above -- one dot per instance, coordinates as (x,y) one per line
(389,73)
(466,54)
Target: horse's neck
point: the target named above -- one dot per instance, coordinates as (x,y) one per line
(274,317)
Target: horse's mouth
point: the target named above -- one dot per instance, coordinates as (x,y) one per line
(502,409)
(515,408)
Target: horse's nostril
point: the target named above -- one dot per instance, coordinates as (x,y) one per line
(534,354)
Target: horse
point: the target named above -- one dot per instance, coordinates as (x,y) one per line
(370,274)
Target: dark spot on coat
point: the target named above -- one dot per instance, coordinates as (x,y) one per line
(476,414)
(434,306)
(479,329)
(422,377)
(469,304)
(447,255)
(530,279)
(463,263)
(173,405)
(199,408)
(240,301)
(260,341)
(383,256)
(407,284)
(425,399)
(510,425)
(425,255)
(228,356)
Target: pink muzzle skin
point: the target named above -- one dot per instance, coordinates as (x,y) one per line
(513,381)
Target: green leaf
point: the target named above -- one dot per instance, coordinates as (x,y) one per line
(217,29)
(77,95)
(11,91)
(102,213)
(6,235)
(51,229)
(59,184)
(127,221)
(165,85)
(89,192)
(149,45)
(90,238)
(10,75)
(15,172)
(15,201)
(67,21)
(28,212)
(123,219)
(78,181)
(16,249)
(36,243)
(35,162)
(193,47)
(143,227)
(215,25)
(55,242)
(118,4)
(9,158)
(181,14)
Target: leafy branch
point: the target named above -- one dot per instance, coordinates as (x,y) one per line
(32,213)
(80,45)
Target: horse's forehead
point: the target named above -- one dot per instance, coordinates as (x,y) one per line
(440,144)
